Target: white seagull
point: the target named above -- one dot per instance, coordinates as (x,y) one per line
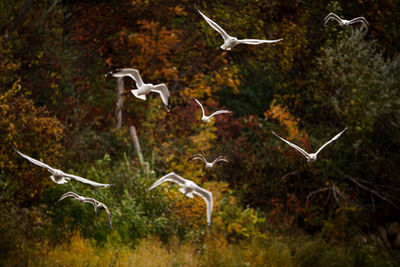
(96,204)
(207,118)
(143,88)
(230,41)
(58,176)
(209,165)
(311,157)
(188,189)
(344,22)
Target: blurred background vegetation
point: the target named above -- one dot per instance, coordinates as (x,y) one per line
(271,208)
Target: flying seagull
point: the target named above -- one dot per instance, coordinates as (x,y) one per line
(311,157)
(58,176)
(207,118)
(209,165)
(188,189)
(344,22)
(143,88)
(230,41)
(96,204)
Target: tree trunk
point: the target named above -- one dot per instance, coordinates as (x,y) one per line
(120,102)
(135,140)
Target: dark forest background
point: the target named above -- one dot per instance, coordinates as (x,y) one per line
(56,105)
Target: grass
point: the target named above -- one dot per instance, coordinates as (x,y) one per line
(214,250)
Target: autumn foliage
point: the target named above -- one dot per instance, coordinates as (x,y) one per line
(57,106)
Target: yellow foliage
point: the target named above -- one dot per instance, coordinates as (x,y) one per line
(203,140)
(286,119)
(13,90)
(20,123)
(199,87)
(152,46)
(203,85)
(191,212)
(227,76)
(82,252)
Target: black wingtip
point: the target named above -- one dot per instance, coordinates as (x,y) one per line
(111,72)
(169,105)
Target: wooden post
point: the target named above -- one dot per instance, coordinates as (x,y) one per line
(135,140)
(120,101)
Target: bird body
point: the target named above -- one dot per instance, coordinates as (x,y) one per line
(209,165)
(311,157)
(344,22)
(144,89)
(188,188)
(230,41)
(58,176)
(207,118)
(96,204)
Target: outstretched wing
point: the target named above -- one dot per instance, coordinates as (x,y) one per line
(170,177)
(86,181)
(101,205)
(257,41)
(202,109)
(132,73)
(207,196)
(221,158)
(200,157)
(215,26)
(302,151)
(162,89)
(330,141)
(332,16)
(68,194)
(91,201)
(219,112)
(34,161)
(360,19)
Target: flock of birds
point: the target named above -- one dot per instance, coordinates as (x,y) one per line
(188,187)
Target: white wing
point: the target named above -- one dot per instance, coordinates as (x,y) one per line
(302,151)
(207,196)
(215,26)
(332,16)
(221,158)
(102,206)
(170,177)
(162,89)
(34,161)
(219,112)
(202,109)
(91,201)
(330,141)
(132,73)
(68,194)
(86,181)
(257,41)
(360,19)
(200,157)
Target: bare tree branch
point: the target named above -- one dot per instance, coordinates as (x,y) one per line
(380,195)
